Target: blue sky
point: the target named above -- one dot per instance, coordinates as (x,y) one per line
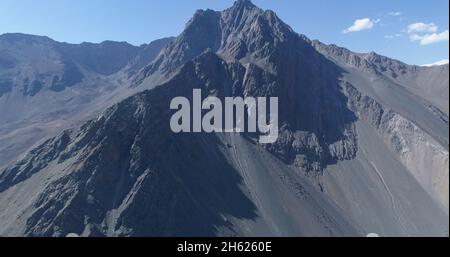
(414,31)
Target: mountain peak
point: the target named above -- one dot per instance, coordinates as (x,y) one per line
(243,4)
(240,31)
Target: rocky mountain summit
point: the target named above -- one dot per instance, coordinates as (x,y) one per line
(361,150)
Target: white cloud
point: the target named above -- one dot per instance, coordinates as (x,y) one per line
(428,39)
(394,13)
(361,24)
(441,62)
(393,36)
(426,33)
(421,27)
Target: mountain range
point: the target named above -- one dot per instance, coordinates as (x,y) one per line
(86,145)
(46,85)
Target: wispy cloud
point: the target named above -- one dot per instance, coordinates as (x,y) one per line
(421,27)
(361,24)
(394,13)
(393,36)
(426,33)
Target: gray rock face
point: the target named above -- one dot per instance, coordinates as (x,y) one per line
(409,108)
(425,158)
(277,62)
(358,152)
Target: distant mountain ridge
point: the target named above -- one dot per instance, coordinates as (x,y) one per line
(430,83)
(105,58)
(44,83)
